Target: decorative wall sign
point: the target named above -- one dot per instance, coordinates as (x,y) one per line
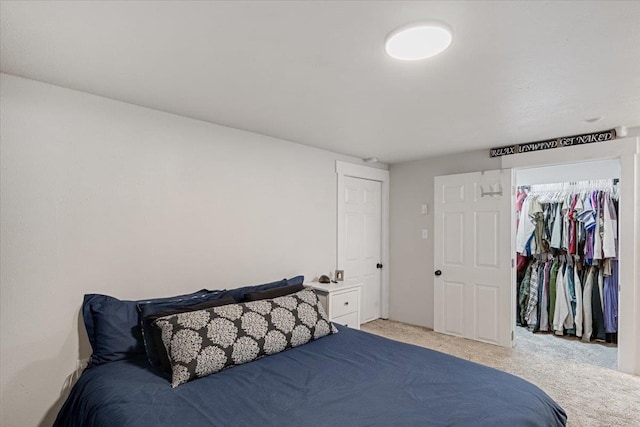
(565,141)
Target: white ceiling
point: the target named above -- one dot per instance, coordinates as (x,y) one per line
(316,72)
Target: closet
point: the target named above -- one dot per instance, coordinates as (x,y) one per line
(567,250)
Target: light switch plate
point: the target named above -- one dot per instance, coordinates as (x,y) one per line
(425,233)
(424,209)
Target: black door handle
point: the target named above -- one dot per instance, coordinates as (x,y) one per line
(378,265)
(438,273)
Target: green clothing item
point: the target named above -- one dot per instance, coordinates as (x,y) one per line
(552,288)
(523,296)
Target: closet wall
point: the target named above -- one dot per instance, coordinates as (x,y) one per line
(583,171)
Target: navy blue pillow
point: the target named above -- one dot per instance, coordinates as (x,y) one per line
(298,280)
(113,325)
(148,310)
(239,293)
(272,293)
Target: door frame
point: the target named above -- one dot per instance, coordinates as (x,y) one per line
(344,169)
(626,151)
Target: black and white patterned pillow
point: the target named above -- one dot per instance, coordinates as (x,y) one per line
(201,343)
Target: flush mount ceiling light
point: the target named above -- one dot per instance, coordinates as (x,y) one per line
(419,40)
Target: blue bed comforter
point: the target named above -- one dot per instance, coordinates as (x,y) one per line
(348,379)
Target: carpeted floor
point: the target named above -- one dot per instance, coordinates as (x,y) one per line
(591,395)
(568,348)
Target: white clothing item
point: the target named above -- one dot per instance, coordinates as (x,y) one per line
(587,212)
(579,314)
(526,227)
(578,208)
(556,233)
(536,213)
(597,233)
(609,234)
(565,224)
(561,309)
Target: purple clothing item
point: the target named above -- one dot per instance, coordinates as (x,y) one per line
(611,299)
(588,247)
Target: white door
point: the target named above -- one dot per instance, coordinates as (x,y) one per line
(473,291)
(359,253)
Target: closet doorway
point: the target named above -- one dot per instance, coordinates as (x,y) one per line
(567,261)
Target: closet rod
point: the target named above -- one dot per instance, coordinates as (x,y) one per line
(548,193)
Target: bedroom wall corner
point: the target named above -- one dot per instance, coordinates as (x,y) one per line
(411,256)
(100,196)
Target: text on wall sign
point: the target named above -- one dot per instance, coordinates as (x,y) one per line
(565,141)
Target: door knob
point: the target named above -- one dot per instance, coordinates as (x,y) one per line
(378,265)
(438,272)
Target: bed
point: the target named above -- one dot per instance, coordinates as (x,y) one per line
(267,355)
(350,378)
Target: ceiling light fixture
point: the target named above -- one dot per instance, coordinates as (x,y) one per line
(419,40)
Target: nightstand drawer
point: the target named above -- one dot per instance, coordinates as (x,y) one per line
(351,320)
(344,303)
(341,301)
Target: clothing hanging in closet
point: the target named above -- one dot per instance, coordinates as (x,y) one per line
(567,259)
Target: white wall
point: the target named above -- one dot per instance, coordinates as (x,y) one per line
(103,196)
(633,131)
(411,257)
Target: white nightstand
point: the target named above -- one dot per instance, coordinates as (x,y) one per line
(341,302)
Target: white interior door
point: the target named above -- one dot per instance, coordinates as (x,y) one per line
(473,292)
(360,253)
